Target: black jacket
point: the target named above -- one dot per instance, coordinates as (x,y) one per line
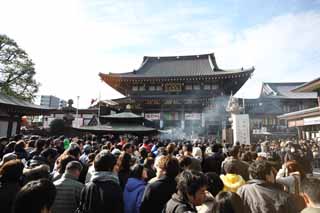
(157,194)
(213,163)
(98,196)
(178,205)
(8,192)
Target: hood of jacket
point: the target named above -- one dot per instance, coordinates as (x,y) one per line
(232,181)
(134,183)
(103,176)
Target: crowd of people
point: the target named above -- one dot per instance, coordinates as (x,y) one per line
(82,175)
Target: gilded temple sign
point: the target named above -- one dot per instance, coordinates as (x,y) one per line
(173,87)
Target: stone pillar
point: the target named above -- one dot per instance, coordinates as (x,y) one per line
(161,120)
(182,120)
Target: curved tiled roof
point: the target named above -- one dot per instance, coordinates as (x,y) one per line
(179,66)
(284,90)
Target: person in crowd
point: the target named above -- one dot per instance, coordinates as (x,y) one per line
(7,157)
(10,183)
(214,186)
(134,189)
(231,181)
(290,175)
(36,172)
(49,156)
(149,167)
(171,148)
(36,197)
(160,168)
(68,189)
(311,194)
(86,151)
(61,166)
(187,151)
(228,202)
(19,150)
(191,192)
(241,166)
(103,193)
(124,161)
(212,163)
(39,147)
(157,194)
(261,194)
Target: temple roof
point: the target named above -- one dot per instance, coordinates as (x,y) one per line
(311,86)
(179,66)
(13,102)
(123,115)
(117,129)
(284,90)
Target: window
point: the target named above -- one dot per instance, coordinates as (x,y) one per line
(214,86)
(159,88)
(135,88)
(188,87)
(196,86)
(142,88)
(152,88)
(207,87)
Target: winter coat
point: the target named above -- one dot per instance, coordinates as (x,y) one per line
(213,163)
(68,194)
(259,196)
(179,205)
(8,192)
(232,182)
(132,195)
(102,194)
(157,194)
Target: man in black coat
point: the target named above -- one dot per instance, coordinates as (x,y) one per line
(157,194)
(103,193)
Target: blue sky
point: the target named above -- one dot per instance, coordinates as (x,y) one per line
(72,41)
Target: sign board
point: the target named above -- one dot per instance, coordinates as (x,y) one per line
(311,121)
(192,116)
(241,128)
(152,116)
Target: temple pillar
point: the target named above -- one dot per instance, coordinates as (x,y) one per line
(161,120)
(10,125)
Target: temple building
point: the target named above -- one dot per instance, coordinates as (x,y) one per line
(179,92)
(275,99)
(306,121)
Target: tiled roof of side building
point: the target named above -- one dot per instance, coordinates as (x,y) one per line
(9,100)
(192,65)
(284,90)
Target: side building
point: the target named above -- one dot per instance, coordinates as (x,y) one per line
(188,93)
(306,121)
(276,99)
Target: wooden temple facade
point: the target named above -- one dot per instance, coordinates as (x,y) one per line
(306,121)
(177,91)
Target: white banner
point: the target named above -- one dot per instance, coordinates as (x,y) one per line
(241,128)
(152,116)
(311,121)
(192,116)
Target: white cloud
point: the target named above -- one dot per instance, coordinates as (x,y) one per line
(72,41)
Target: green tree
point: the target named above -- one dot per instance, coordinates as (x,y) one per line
(57,127)
(16,71)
